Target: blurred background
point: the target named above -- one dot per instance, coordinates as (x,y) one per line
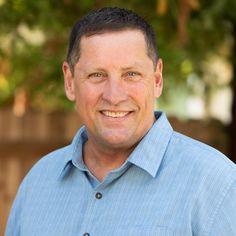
(196,40)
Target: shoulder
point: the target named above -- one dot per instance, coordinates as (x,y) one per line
(48,169)
(41,176)
(210,170)
(207,163)
(212,176)
(199,153)
(44,173)
(50,165)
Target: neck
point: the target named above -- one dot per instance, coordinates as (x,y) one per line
(101,161)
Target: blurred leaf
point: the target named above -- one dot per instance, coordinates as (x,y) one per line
(36,67)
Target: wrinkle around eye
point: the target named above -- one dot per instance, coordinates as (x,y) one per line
(132,75)
(96,75)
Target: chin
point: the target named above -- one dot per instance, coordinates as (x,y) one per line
(114,141)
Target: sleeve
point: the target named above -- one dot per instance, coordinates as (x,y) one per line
(224,222)
(14,219)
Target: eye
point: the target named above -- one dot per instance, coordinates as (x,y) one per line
(131,73)
(96,75)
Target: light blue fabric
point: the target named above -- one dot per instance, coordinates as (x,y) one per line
(170,185)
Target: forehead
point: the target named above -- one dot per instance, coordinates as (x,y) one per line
(115,33)
(130,42)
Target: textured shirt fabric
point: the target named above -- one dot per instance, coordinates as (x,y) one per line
(169,185)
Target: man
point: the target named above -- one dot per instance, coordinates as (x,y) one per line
(126,172)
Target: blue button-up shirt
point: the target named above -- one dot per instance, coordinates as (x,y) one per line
(169,185)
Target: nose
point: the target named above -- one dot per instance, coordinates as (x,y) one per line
(114,91)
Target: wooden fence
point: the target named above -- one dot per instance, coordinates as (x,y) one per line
(23,140)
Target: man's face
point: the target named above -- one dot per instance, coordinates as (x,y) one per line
(114,86)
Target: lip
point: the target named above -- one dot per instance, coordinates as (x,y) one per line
(115,115)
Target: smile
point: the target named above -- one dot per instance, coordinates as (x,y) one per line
(115,114)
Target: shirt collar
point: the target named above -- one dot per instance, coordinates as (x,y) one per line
(147,155)
(75,153)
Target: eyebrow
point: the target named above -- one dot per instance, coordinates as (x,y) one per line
(133,66)
(128,68)
(87,71)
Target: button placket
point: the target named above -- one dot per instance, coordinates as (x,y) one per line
(98,195)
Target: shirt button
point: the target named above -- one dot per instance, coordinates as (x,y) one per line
(98,195)
(86,234)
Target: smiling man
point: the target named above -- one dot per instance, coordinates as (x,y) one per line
(126,172)
(114,84)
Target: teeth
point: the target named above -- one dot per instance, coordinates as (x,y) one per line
(117,114)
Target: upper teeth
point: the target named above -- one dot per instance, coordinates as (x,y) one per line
(115,114)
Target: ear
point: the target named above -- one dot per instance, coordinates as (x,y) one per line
(68,82)
(158,79)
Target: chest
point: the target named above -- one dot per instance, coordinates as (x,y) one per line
(131,205)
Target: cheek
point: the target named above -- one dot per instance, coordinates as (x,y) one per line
(87,97)
(143,93)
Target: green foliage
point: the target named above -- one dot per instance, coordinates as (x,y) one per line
(34,64)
